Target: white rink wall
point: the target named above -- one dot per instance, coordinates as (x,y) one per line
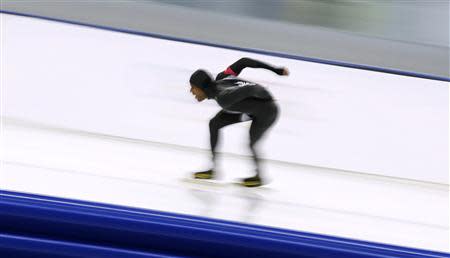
(137,87)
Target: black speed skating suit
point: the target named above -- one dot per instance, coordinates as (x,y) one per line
(242,100)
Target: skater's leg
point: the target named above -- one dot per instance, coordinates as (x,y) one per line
(264,114)
(262,121)
(215,124)
(222,119)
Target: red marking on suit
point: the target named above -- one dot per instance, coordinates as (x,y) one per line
(229,71)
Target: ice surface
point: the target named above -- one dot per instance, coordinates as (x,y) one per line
(101,168)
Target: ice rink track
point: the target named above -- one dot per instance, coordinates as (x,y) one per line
(51,152)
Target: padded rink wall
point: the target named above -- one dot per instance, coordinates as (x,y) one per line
(39,226)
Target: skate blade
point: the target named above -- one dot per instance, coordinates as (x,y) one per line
(203,177)
(250,184)
(204,182)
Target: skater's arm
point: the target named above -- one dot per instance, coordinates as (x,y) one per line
(237,67)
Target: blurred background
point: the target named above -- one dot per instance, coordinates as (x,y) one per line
(406,35)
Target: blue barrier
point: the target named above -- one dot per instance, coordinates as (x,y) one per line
(40,226)
(20,246)
(250,50)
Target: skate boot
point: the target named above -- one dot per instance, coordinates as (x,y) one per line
(252,181)
(204,174)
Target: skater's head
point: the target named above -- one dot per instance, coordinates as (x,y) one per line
(200,81)
(199,94)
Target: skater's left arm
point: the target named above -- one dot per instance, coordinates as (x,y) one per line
(237,67)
